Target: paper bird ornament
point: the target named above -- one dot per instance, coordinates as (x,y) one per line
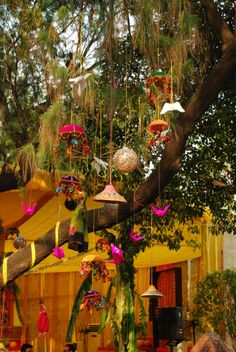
(117,254)
(99,164)
(58,252)
(81,83)
(134,236)
(160,212)
(29,210)
(171,107)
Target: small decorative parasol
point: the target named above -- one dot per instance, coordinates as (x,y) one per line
(109,195)
(94,301)
(151,292)
(76,138)
(70,187)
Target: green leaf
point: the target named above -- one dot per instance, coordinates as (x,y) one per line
(86,285)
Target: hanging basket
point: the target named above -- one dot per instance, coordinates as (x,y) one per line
(96,265)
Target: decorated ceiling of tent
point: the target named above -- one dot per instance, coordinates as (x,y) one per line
(50,210)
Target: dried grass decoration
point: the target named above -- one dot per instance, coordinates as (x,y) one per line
(94,301)
(76,138)
(95,264)
(158,88)
(70,187)
(125,160)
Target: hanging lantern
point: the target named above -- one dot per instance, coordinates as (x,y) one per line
(158,87)
(109,195)
(19,242)
(96,265)
(70,187)
(125,160)
(151,292)
(103,245)
(76,138)
(94,301)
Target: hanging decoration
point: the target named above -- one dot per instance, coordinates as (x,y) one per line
(70,187)
(78,231)
(151,292)
(159,129)
(80,82)
(29,211)
(158,88)
(109,195)
(103,245)
(117,254)
(125,160)
(99,164)
(134,236)
(94,301)
(160,212)
(96,265)
(43,322)
(19,242)
(171,107)
(58,252)
(11,233)
(76,138)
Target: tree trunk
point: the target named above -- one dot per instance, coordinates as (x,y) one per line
(123,319)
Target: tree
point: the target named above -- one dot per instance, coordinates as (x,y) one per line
(213,312)
(129,39)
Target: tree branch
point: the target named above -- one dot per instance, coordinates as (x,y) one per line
(219,26)
(20,262)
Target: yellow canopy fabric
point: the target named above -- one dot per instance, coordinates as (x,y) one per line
(54,211)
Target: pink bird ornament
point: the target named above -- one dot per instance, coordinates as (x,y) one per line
(117,254)
(160,212)
(29,210)
(134,236)
(58,252)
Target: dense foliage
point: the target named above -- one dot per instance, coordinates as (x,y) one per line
(45,43)
(216,303)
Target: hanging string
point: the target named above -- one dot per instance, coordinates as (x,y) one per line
(151,271)
(171,83)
